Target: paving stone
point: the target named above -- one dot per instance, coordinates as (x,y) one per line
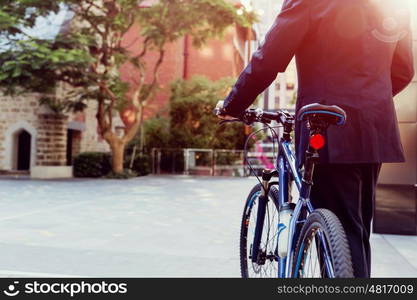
(173,226)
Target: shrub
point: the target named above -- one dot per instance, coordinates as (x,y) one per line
(141,165)
(193,124)
(156,133)
(92,164)
(126,174)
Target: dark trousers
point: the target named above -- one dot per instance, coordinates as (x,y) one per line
(348,190)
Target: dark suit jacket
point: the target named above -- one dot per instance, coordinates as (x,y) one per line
(356,54)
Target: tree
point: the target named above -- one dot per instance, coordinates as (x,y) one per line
(88,57)
(192,122)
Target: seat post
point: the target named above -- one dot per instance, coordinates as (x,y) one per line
(315,126)
(311,158)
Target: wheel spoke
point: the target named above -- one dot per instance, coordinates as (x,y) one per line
(312,261)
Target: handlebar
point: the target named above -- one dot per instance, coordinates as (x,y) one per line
(251,116)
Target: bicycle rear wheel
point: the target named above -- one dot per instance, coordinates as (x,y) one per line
(322,249)
(267,264)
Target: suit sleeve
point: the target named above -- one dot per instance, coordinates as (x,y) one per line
(402,69)
(273,56)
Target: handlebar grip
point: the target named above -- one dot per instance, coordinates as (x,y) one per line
(270,115)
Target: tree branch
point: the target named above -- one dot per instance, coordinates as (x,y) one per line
(158,65)
(102,123)
(139,105)
(138,91)
(144,49)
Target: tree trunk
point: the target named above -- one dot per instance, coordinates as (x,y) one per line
(118,152)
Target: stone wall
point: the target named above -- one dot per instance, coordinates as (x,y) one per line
(48,132)
(51,140)
(16,113)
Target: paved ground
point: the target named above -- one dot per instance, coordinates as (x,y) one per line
(145,227)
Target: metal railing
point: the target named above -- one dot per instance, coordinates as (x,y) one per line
(208,162)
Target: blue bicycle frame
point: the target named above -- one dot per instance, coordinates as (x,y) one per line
(286,169)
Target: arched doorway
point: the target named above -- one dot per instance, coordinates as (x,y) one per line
(23,143)
(20,146)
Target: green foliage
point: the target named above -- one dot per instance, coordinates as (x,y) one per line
(169,20)
(30,64)
(141,164)
(17,14)
(92,164)
(157,133)
(193,124)
(36,66)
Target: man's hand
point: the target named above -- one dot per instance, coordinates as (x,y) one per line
(220,113)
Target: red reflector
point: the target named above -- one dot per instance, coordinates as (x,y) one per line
(317,141)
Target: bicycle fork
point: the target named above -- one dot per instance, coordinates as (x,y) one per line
(260,218)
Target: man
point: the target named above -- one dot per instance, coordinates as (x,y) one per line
(356,54)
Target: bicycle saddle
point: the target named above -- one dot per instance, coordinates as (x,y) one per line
(333,114)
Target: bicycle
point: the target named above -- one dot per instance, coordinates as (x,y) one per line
(280,238)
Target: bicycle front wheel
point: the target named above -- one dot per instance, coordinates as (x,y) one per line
(322,249)
(266,264)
